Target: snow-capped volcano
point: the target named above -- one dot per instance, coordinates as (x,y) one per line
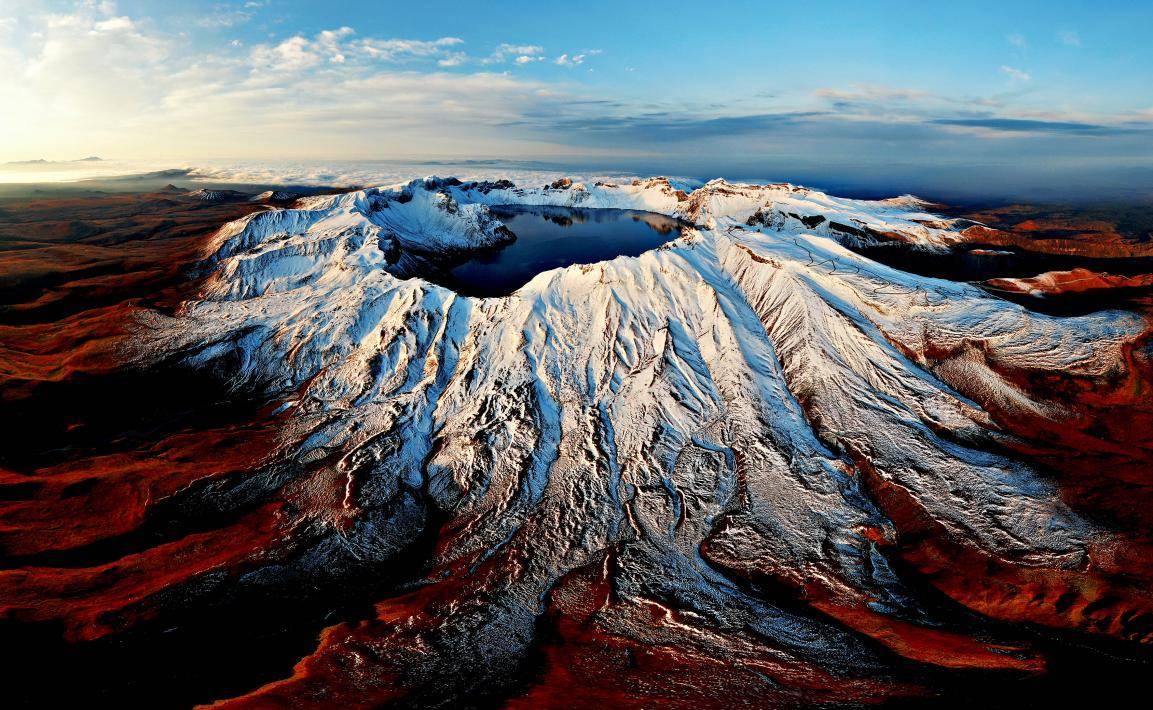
(725,408)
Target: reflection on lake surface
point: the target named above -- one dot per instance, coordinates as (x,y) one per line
(553,237)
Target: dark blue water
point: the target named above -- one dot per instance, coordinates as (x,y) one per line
(552,237)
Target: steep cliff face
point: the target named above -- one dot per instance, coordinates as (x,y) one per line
(709,451)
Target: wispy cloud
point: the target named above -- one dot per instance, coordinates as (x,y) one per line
(98,81)
(224,16)
(575,59)
(1014,74)
(871,92)
(1020,125)
(398,50)
(1017,40)
(1069,38)
(874,99)
(114,24)
(338,46)
(565,60)
(519,53)
(668,127)
(894,103)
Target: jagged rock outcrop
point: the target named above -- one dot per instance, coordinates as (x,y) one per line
(218,195)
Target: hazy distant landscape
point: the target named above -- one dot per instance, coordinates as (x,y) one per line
(959,184)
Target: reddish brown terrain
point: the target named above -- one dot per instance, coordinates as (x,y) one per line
(1068,232)
(95,449)
(134,500)
(1110,232)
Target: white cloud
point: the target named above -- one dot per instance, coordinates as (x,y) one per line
(128,88)
(114,24)
(398,50)
(95,81)
(1014,74)
(565,60)
(572,60)
(225,16)
(337,47)
(1069,38)
(529,49)
(329,43)
(454,59)
(293,54)
(523,53)
(331,38)
(872,93)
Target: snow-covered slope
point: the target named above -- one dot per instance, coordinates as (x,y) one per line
(716,393)
(780,207)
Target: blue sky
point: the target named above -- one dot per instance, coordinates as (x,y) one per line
(1050,89)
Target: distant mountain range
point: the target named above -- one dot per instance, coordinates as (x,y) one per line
(42,161)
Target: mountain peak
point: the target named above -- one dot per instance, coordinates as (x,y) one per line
(727,406)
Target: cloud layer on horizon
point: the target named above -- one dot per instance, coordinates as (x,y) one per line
(93,80)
